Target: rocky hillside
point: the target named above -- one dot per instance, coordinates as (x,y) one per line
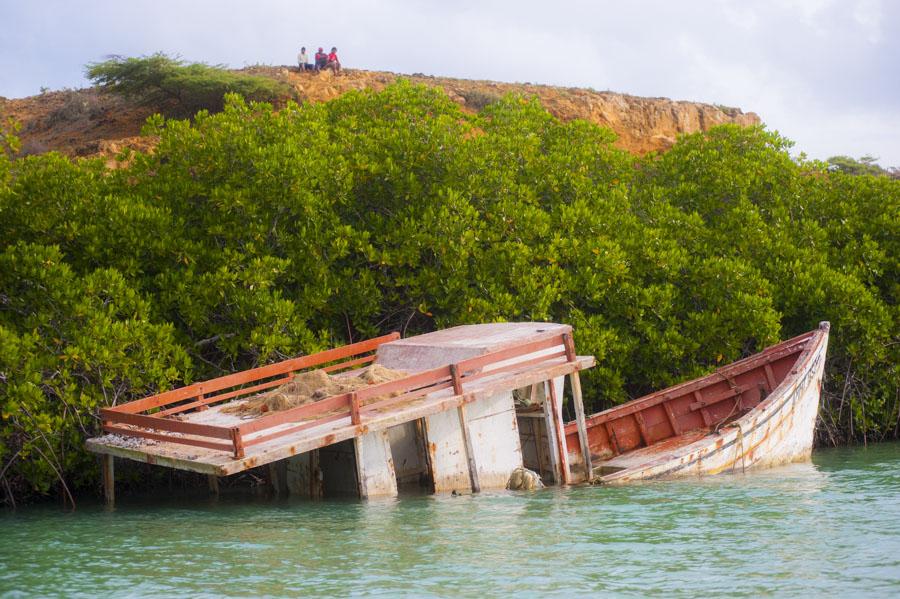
(90,122)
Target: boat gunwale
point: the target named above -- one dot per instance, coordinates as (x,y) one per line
(669,393)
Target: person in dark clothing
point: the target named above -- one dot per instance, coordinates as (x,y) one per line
(321,59)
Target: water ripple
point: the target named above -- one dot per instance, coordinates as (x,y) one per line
(828,528)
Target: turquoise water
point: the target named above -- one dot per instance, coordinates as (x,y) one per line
(829,528)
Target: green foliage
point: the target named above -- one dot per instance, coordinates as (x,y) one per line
(254,234)
(866,165)
(181,88)
(70,343)
(825,241)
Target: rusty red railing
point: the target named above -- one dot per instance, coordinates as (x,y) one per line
(151,417)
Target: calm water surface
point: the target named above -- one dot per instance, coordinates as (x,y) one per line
(829,528)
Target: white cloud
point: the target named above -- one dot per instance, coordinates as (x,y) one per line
(867,13)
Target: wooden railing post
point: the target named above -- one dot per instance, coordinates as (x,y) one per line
(457,380)
(354,409)
(238,442)
(569,344)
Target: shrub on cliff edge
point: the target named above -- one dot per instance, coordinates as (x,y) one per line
(181,88)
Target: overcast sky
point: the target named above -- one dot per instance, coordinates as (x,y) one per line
(825,73)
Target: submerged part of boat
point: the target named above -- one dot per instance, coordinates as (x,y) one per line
(759,411)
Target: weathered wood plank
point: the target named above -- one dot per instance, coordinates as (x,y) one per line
(130,432)
(470,451)
(560,435)
(575,382)
(108,472)
(174,426)
(673,420)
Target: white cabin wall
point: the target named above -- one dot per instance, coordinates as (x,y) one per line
(494,439)
(375,465)
(447,452)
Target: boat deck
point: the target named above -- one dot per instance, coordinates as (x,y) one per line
(304,433)
(670,449)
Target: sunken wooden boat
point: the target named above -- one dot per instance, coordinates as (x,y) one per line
(759,411)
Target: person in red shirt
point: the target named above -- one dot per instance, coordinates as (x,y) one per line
(333,63)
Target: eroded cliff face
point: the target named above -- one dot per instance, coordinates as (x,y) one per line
(91,122)
(642,124)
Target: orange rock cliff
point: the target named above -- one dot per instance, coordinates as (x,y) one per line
(91,122)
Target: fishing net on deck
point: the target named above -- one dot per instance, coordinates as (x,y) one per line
(314,385)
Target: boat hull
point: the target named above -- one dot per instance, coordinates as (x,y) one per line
(779,430)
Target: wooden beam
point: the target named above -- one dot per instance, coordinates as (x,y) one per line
(539,450)
(108,471)
(560,439)
(642,427)
(163,424)
(204,401)
(611,434)
(237,440)
(470,452)
(770,377)
(553,455)
(298,414)
(707,419)
(575,381)
(673,420)
(132,432)
(277,478)
(349,364)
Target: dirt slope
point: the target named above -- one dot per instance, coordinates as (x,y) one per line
(89,122)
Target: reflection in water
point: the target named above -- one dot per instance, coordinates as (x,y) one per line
(826,527)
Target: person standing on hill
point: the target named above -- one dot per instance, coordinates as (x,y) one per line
(303,60)
(333,63)
(321,59)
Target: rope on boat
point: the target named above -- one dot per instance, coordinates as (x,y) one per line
(738,405)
